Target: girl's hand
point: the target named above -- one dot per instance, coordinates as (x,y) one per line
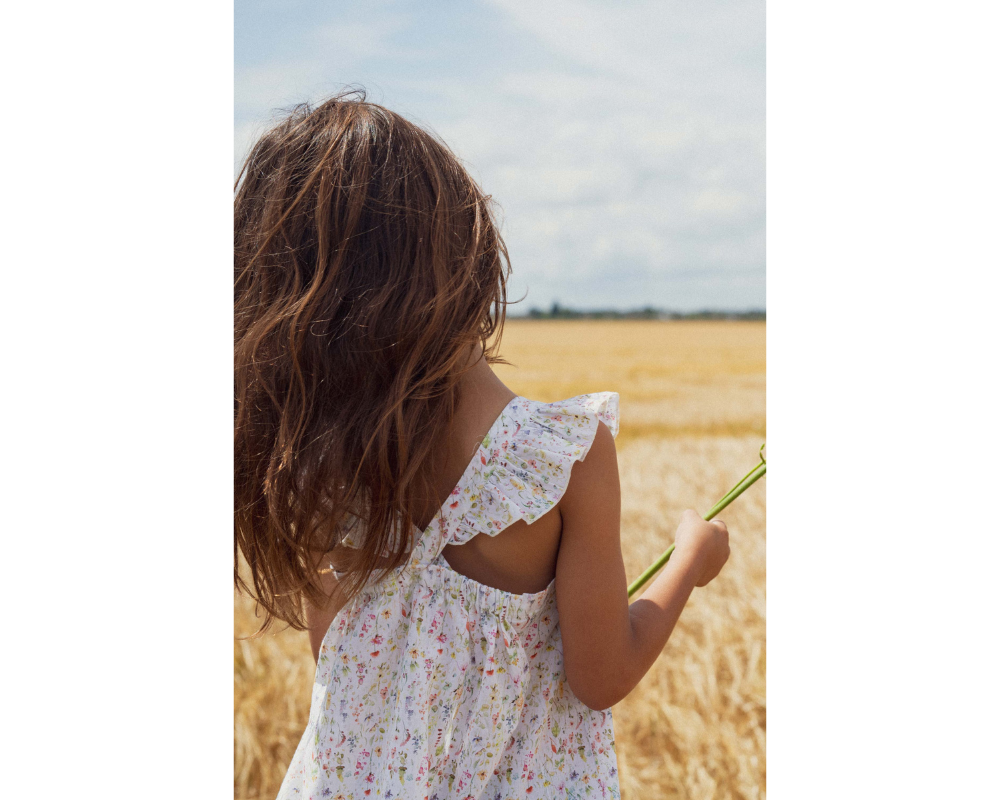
(705,544)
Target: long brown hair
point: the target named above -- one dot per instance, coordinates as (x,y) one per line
(368,266)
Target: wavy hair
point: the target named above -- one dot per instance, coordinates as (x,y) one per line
(368,264)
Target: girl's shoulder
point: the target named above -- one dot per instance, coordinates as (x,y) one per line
(563,425)
(526,460)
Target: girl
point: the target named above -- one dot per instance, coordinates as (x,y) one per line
(452,548)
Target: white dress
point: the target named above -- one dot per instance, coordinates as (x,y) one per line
(431,685)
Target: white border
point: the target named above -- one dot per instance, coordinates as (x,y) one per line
(117,450)
(883,438)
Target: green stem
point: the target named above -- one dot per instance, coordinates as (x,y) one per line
(653,568)
(758,472)
(748,480)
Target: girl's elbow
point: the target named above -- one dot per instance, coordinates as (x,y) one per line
(597,695)
(599,704)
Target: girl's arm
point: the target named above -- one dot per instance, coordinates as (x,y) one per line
(608,645)
(318,618)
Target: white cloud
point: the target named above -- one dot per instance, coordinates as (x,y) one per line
(625,142)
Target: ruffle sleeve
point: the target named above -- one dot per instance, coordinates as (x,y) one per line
(525,463)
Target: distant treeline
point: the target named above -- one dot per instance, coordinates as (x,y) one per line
(561,312)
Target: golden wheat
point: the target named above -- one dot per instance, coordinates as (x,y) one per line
(692,409)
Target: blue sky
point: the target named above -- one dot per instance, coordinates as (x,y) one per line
(623,141)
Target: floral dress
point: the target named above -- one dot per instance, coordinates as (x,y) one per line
(431,685)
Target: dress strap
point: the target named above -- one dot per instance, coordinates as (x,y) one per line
(521,471)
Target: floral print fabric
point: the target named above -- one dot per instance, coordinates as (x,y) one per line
(431,685)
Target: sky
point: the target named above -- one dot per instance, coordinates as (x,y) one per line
(623,141)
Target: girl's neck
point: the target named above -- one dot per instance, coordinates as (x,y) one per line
(480,388)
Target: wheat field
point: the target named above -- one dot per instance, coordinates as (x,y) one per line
(692,420)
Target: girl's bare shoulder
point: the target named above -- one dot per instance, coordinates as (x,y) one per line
(594,483)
